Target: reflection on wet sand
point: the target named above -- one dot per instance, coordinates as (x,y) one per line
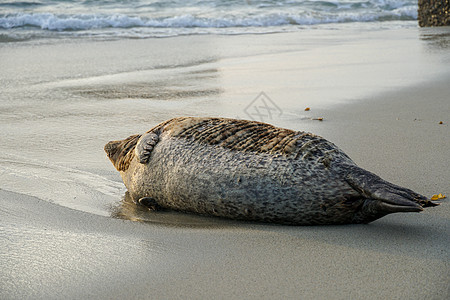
(436,38)
(127,209)
(195,81)
(143,91)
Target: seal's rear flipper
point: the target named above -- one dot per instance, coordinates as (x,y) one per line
(385,197)
(145,146)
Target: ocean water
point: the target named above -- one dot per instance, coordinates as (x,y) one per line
(24,20)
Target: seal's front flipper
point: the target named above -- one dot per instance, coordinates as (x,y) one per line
(150,203)
(145,146)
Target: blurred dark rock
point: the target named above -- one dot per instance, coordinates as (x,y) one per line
(434,13)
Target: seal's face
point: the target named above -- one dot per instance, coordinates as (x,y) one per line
(122,152)
(111,150)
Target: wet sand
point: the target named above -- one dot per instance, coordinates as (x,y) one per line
(55,252)
(65,233)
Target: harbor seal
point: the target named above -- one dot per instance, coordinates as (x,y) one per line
(250,170)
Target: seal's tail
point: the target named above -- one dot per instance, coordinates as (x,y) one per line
(383,197)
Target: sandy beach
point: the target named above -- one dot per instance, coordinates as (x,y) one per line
(67,231)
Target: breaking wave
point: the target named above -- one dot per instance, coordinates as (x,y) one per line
(54,22)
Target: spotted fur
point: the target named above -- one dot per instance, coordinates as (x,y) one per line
(250,136)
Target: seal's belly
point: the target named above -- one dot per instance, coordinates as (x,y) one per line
(189,176)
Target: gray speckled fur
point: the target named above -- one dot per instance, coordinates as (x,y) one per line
(315,184)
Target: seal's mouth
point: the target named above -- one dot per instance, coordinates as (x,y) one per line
(111,149)
(120,153)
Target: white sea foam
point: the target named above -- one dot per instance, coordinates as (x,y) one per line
(49,21)
(60,18)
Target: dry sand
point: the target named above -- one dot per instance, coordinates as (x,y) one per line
(50,251)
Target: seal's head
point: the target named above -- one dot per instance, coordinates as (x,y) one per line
(122,152)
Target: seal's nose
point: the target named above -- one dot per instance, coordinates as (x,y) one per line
(120,153)
(111,148)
